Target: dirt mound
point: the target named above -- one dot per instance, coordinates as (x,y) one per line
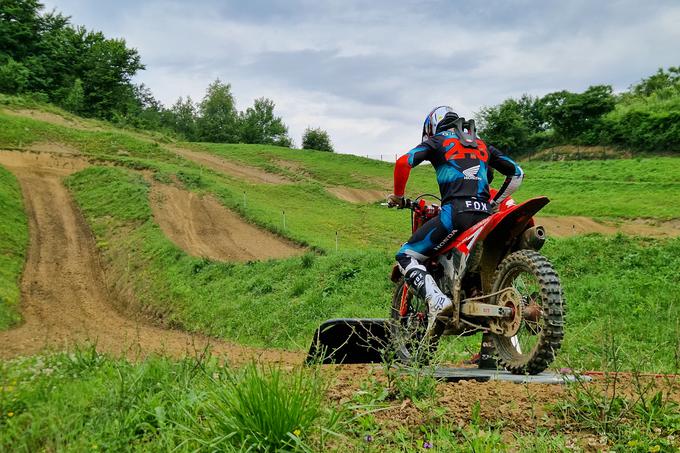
(564,226)
(357,195)
(41,162)
(52,118)
(201,226)
(65,300)
(238,170)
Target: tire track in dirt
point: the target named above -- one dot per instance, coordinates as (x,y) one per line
(65,301)
(201,226)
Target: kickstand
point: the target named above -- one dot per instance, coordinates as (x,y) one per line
(487,354)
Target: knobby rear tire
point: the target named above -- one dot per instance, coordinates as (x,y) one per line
(552,317)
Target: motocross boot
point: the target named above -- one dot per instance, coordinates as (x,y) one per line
(438,304)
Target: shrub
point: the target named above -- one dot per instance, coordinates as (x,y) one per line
(317,139)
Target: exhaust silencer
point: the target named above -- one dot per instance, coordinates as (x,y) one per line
(533,238)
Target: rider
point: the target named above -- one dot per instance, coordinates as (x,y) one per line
(461,161)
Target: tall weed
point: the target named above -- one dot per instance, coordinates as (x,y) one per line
(261,408)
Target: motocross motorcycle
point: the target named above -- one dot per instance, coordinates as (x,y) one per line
(499,284)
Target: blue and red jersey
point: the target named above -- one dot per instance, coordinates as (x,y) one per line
(462,171)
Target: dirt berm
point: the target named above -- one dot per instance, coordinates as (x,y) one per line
(201,226)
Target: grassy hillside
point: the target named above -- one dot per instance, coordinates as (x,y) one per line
(13,243)
(289,298)
(627,188)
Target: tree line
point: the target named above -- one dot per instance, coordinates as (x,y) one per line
(644,118)
(42,55)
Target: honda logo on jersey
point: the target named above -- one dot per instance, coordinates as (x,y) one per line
(471,173)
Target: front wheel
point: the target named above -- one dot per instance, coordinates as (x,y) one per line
(540,334)
(408,325)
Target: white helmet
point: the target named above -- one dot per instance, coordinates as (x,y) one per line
(434,118)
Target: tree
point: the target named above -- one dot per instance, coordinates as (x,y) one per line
(14,77)
(259,125)
(75,98)
(183,118)
(662,80)
(107,69)
(20,25)
(44,53)
(218,120)
(317,139)
(573,115)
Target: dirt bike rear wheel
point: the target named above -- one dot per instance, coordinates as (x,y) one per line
(534,346)
(408,331)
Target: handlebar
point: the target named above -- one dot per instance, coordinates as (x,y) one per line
(412,204)
(408,204)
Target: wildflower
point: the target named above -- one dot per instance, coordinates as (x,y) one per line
(368,438)
(632,443)
(654,449)
(297,433)
(426,444)
(10,414)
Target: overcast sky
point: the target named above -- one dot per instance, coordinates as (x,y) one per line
(369,71)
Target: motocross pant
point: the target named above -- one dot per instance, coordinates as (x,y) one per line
(436,234)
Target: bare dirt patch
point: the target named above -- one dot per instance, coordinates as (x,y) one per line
(565,226)
(51,118)
(201,226)
(54,148)
(573,152)
(290,165)
(352,195)
(238,170)
(65,301)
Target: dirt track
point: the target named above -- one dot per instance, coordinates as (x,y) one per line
(64,299)
(51,118)
(565,226)
(358,195)
(201,226)
(245,172)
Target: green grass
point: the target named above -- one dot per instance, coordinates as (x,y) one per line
(83,401)
(13,243)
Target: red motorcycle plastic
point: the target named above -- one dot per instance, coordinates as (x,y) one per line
(499,284)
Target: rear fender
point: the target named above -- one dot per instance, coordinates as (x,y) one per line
(499,232)
(501,239)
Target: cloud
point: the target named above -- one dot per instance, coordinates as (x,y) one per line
(368,72)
